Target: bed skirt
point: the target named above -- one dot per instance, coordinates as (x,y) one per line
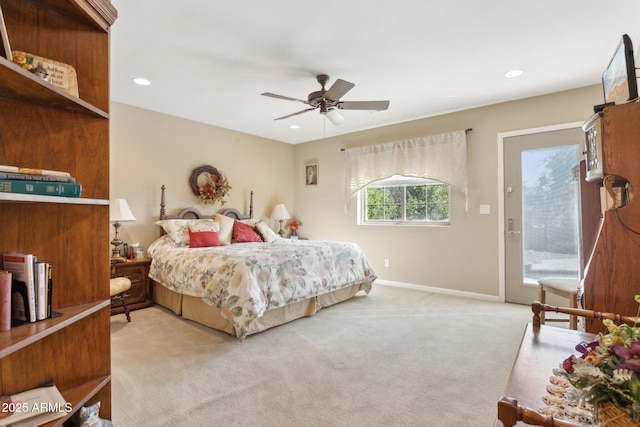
(195,309)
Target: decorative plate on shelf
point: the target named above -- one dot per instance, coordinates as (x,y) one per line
(60,75)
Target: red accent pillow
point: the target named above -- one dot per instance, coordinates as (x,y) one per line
(243,233)
(203,239)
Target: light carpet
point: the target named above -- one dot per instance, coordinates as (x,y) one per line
(396,357)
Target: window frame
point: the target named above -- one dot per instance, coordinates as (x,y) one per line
(398,180)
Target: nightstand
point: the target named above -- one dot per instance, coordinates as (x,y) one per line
(139,296)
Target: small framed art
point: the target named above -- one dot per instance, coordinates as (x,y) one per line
(311,174)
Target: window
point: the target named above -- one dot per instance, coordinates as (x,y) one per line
(405,200)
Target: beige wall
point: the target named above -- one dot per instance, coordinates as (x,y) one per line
(461,257)
(149,149)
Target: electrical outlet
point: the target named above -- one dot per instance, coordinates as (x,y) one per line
(386,263)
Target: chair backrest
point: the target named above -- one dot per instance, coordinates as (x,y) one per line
(537,307)
(509,413)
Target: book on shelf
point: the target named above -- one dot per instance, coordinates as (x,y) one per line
(21,267)
(33,407)
(32,171)
(5,300)
(42,283)
(35,177)
(43,188)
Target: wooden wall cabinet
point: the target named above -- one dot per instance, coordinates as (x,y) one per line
(42,126)
(612,272)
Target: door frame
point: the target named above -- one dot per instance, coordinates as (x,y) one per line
(501,186)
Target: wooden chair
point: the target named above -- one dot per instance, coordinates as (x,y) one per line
(537,307)
(118,287)
(543,348)
(567,288)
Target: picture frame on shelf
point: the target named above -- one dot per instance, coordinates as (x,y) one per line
(5,49)
(311,174)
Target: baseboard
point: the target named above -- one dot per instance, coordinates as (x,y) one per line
(435,290)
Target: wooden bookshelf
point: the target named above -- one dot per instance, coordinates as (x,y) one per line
(42,126)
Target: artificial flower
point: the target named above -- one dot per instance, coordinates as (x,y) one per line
(607,369)
(214,189)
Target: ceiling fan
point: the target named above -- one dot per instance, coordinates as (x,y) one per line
(328,101)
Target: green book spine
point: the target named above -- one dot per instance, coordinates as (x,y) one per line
(64,189)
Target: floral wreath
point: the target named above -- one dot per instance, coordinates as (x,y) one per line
(209,185)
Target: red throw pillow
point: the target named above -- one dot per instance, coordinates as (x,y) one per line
(203,239)
(243,233)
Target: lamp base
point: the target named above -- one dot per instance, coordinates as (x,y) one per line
(116,242)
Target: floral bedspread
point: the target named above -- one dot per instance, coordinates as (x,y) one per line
(246,279)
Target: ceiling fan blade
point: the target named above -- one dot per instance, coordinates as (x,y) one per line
(338,90)
(363,105)
(286,98)
(295,114)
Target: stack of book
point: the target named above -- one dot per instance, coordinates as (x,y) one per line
(14,179)
(31,287)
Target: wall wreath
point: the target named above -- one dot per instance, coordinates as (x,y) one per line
(209,184)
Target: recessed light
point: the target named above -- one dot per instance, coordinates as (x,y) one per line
(141,81)
(513,73)
(294,127)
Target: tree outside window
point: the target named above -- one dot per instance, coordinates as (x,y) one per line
(407,200)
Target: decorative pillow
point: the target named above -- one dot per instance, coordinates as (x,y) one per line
(267,234)
(244,233)
(226,229)
(178,229)
(208,225)
(203,239)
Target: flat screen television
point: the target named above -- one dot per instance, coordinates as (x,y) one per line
(619,79)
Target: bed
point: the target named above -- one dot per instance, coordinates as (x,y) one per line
(246,284)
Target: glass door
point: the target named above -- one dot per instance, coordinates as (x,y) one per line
(542,222)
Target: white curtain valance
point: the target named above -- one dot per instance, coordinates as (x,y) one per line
(440,157)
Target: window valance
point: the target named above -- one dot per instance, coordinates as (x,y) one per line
(440,157)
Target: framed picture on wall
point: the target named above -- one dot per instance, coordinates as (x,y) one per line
(311,174)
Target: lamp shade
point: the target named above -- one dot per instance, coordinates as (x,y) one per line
(119,211)
(280,212)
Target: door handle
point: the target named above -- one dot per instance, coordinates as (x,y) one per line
(510,231)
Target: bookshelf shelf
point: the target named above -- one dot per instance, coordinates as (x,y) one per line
(20,85)
(21,336)
(29,198)
(79,395)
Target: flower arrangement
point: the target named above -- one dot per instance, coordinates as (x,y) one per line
(608,369)
(213,188)
(294,226)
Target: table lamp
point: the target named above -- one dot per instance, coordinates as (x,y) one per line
(119,212)
(280,213)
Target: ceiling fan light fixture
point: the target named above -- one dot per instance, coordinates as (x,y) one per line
(335,117)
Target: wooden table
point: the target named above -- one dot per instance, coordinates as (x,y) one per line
(541,350)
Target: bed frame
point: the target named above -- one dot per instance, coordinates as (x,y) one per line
(195,309)
(193,213)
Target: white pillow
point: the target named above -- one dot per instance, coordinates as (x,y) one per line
(178,229)
(225,232)
(267,234)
